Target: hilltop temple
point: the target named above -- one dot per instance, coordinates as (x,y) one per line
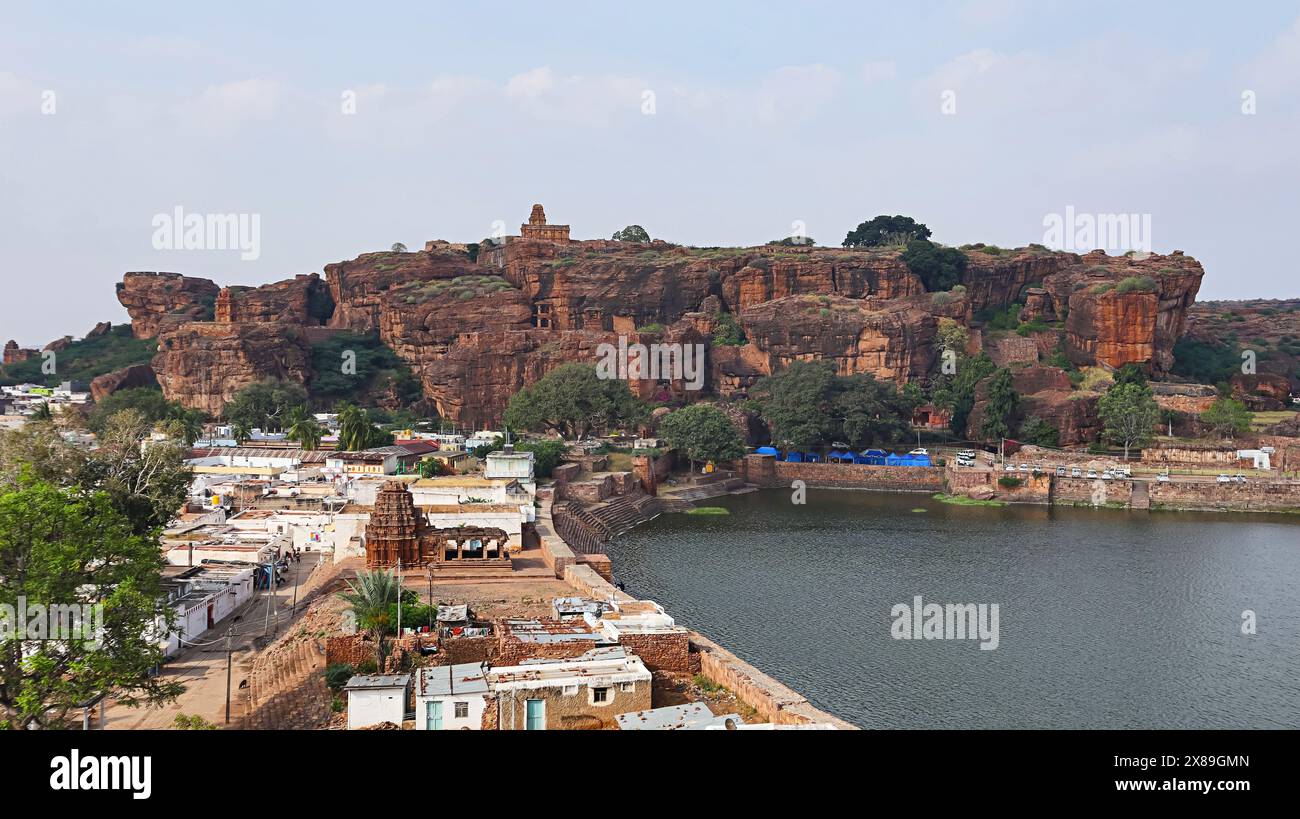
(538,229)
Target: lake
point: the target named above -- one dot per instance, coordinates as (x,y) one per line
(1106,618)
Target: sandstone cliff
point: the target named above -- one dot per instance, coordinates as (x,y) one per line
(158,301)
(203,364)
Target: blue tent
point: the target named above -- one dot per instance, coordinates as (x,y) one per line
(794,458)
(873,456)
(861,459)
(840,457)
(767,450)
(894,460)
(921,460)
(812,458)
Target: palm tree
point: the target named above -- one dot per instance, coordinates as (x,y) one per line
(42,412)
(307,432)
(240,431)
(371,596)
(186,424)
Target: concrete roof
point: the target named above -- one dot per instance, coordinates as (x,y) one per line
(378,681)
(690,716)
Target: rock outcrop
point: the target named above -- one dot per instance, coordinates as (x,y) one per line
(127,378)
(477,330)
(158,301)
(203,364)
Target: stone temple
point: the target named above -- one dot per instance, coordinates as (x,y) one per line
(398,531)
(538,229)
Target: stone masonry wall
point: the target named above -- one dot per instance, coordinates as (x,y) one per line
(766,471)
(663,652)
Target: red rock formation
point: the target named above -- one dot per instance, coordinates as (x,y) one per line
(1045,392)
(14,354)
(137,375)
(203,364)
(301,300)
(358,287)
(158,301)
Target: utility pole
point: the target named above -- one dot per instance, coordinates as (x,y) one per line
(399,599)
(229,654)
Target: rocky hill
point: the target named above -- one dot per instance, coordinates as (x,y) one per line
(475,329)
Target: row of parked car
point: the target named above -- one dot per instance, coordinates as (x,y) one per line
(1114,473)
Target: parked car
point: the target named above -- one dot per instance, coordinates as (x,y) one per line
(1163,477)
(1107,475)
(1076,472)
(1092,473)
(967,453)
(1224,479)
(1060,472)
(1011,468)
(1024,467)
(919,451)
(1240,479)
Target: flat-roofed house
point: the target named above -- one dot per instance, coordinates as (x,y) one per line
(451,697)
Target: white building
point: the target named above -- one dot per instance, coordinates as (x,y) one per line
(380,698)
(451,697)
(202,598)
(510,465)
(1259,456)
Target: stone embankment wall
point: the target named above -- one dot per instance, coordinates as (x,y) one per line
(767,472)
(1254,496)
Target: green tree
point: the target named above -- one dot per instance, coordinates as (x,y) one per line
(1227,417)
(886,230)
(147,400)
(62,547)
(371,597)
(956,392)
(871,411)
(703,433)
(398,247)
(304,428)
(796,403)
(1001,406)
(1129,415)
(264,404)
(793,241)
(1039,432)
(939,267)
(632,233)
(357,430)
(573,400)
(1131,374)
(727,331)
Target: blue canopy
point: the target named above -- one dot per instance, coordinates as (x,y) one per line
(794,458)
(812,458)
(894,460)
(836,455)
(766,450)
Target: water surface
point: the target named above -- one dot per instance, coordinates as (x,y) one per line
(1108,618)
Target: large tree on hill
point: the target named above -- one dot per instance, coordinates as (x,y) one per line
(1000,408)
(795,403)
(632,233)
(1227,417)
(955,392)
(63,547)
(573,400)
(869,411)
(703,433)
(886,230)
(939,267)
(357,430)
(1129,415)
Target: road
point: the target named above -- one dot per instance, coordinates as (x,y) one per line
(202,666)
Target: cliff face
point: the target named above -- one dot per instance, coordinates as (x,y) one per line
(475,332)
(1122,310)
(158,301)
(203,364)
(301,300)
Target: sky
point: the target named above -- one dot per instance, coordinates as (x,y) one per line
(342,128)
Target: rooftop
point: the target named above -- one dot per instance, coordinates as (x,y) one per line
(447,680)
(690,716)
(378,681)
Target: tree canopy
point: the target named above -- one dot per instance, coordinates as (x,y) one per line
(886,230)
(703,433)
(807,403)
(1227,417)
(264,404)
(632,233)
(939,267)
(1129,414)
(1001,407)
(572,400)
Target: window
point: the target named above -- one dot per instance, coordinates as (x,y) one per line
(462,710)
(570,690)
(627,686)
(600,695)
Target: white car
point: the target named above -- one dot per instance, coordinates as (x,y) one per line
(1223,479)
(919,451)
(1011,468)
(1076,472)
(1163,477)
(1092,473)
(1108,475)
(1240,479)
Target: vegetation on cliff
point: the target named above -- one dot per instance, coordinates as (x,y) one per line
(702,433)
(84,360)
(807,403)
(359,369)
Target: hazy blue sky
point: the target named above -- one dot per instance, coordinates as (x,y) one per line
(764,115)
